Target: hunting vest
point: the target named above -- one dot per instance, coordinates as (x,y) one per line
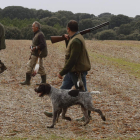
(35,42)
(83,62)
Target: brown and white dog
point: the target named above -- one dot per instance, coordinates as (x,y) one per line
(62,99)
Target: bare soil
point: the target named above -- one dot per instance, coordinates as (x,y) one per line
(21,110)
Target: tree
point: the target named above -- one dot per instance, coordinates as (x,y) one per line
(125,29)
(43,14)
(27,32)
(105,16)
(137,26)
(12,33)
(85,23)
(49,31)
(51,21)
(117,21)
(17,12)
(106,35)
(81,16)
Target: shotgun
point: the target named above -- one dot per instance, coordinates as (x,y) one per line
(55,39)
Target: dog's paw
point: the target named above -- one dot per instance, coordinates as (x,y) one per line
(103,118)
(52,126)
(68,118)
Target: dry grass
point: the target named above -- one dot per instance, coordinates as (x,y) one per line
(115,73)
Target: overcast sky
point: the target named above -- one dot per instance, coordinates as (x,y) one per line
(129,8)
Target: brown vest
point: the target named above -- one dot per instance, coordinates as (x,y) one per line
(83,62)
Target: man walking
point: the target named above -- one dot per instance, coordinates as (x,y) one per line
(39,49)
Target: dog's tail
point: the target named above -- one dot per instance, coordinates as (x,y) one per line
(95,92)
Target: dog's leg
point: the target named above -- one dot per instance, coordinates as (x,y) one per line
(63,115)
(58,114)
(85,112)
(91,108)
(55,114)
(101,114)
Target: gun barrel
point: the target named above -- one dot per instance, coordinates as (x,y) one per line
(55,39)
(94,28)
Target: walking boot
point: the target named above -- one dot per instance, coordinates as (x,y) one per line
(43,78)
(27,81)
(48,114)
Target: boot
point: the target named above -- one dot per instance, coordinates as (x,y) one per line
(27,81)
(48,114)
(43,77)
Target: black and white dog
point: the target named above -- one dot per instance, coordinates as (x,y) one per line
(62,99)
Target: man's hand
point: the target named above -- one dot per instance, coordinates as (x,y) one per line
(66,36)
(59,76)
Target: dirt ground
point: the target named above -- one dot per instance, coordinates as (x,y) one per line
(112,73)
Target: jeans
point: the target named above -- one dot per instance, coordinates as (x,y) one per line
(71,79)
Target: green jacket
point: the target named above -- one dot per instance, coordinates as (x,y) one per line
(76,58)
(39,40)
(2,37)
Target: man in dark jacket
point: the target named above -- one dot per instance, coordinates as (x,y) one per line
(76,60)
(2,46)
(38,49)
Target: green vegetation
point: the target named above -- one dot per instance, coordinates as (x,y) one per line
(130,67)
(19,18)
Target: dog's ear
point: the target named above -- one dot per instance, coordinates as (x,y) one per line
(73,93)
(47,88)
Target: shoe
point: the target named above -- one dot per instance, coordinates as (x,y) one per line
(48,114)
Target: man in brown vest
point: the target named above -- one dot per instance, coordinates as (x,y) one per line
(76,60)
(2,46)
(39,49)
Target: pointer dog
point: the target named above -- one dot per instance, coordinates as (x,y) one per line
(62,99)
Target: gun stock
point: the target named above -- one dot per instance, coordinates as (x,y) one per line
(55,39)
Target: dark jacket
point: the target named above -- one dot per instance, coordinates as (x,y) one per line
(2,37)
(39,40)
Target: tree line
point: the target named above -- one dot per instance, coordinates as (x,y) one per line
(18,20)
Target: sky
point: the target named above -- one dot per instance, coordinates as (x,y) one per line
(129,8)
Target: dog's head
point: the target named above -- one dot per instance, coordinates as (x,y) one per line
(43,89)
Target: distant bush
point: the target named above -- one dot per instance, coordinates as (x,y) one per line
(49,31)
(121,37)
(12,33)
(133,36)
(106,35)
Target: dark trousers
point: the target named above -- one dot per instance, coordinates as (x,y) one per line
(71,79)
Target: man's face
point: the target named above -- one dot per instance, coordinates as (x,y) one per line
(35,29)
(68,30)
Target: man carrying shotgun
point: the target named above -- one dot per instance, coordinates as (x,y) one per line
(77,61)
(38,50)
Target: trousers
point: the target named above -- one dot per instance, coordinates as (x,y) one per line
(71,79)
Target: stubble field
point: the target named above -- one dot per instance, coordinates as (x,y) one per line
(115,73)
